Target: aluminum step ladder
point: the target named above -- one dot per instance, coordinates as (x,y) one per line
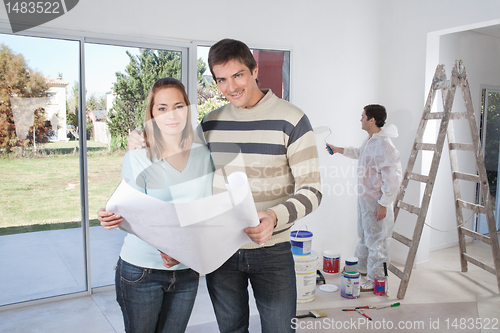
(447,88)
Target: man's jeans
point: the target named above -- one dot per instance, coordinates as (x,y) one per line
(154,300)
(272,276)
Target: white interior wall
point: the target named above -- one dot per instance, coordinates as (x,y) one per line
(345,54)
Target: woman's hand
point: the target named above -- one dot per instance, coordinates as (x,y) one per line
(168,261)
(109,220)
(136,140)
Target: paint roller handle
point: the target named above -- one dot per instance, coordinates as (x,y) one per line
(334,149)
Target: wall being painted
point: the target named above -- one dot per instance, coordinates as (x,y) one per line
(345,54)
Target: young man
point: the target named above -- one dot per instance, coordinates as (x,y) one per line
(379,177)
(281,161)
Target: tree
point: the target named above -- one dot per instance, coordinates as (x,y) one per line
(17,80)
(209,95)
(202,67)
(209,99)
(95,102)
(132,87)
(72,106)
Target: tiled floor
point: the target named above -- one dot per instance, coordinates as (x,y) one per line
(439,282)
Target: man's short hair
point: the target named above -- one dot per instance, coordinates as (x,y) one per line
(377,112)
(229,49)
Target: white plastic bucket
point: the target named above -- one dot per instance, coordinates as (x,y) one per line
(305,273)
(301,241)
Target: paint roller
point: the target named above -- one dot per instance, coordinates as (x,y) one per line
(323,129)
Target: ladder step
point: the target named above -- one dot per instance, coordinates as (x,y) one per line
(467,205)
(425,146)
(475,235)
(410,208)
(439,115)
(396,271)
(466,176)
(418,177)
(434,115)
(478,263)
(458,115)
(402,239)
(462,146)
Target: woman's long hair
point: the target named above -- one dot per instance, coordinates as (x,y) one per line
(152,134)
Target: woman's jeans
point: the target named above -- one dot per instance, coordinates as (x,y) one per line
(154,300)
(272,276)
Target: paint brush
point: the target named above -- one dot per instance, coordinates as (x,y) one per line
(387,291)
(314,314)
(389,306)
(363,314)
(361,307)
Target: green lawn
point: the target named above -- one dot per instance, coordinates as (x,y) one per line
(44,193)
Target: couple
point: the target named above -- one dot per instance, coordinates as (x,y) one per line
(156,293)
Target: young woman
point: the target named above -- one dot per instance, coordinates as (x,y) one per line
(156,293)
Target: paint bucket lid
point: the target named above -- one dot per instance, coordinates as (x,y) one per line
(329,288)
(331,254)
(351,261)
(301,234)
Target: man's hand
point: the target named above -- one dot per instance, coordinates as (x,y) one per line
(263,232)
(168,261)
(335,149)
(380,212)
(136,140)
(109,220)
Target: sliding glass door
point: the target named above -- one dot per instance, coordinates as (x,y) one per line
(41,238)
(490,138)
(62,138)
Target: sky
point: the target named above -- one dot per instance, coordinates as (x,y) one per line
(52,56)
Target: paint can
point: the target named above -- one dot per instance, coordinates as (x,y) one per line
(349,285)
(305,273)
(351,265)
(331,262)
(379,285)
(301,241)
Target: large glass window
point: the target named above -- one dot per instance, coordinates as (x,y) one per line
(490,137)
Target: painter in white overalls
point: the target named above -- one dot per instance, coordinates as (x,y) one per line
(379,178)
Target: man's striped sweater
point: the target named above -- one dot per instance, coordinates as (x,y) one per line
(279,156)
